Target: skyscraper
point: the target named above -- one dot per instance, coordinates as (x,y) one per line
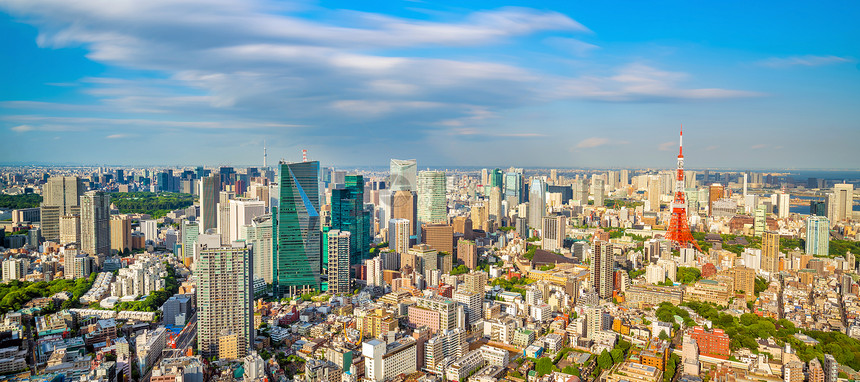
(403,174)
(553,232)
(770,252)
(190,231)
(338,261)
(601,268)
(599,188)
(298,229)
(715,192)
(817,236)
(60,197)
(224,226)
(496,179)
(95,223)
(398,235)
(405,206)
(537,202)
(580,191)
(120,233)
(348,214)
(840,204)
(241,213)
(495,211)
(432,205)
(514,188)
(653,193)
(260,233)
(209,186)
(225,296)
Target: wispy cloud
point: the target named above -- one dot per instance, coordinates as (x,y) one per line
(666,146)
(118,136)
(808,60)
(22,128)
(759,146)
(592,142)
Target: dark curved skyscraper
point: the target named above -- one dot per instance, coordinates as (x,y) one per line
(297,263)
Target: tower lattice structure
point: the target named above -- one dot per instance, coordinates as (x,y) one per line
(679,229)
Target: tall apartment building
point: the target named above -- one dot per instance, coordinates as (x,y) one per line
(817,236)
(298,229)
(473,304)
(840,203)
(260,233)
(770,252)
(553,232)
(447,343)
(437,313)
(475,282)
(468,252)
(715,192)
(209,188)
(601,268)
(70,230)
(399,231)
(374,271)
(225,225)
(120,233)
(337,246)
(225,296)
(60,197)
(95,223)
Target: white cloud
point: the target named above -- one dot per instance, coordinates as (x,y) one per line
(22,128)
(808,60)
(117,136)
(666,146)
(234,64)
(758,146)
(592,142)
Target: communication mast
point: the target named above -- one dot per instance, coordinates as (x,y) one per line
(679,228)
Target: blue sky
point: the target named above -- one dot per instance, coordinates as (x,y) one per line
(561,84)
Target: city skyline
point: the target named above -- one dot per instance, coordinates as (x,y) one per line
(550,85)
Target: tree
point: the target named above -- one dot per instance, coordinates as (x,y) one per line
(570,369)
(604,360)
(543,366)
(617,355)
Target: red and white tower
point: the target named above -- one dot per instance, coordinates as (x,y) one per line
(679,228)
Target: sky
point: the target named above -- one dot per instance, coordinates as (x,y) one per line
(482,83)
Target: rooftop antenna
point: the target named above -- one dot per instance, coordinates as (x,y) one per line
(304,155)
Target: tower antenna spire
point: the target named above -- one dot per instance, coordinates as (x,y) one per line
(679,228)
(265,155)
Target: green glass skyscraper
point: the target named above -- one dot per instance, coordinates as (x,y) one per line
(348,214)
(298,265)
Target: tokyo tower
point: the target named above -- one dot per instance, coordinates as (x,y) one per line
(679,229)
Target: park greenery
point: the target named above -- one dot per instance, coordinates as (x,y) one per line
(17,202)
(544,366)
(634,273)
(14,294)
(607,359)
(512,285)
(688,275)
(748,328)
(459,270)
(154,204)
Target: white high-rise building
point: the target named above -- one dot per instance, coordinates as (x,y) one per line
(398,235)
(242,212)
(537,202)
(553,232)
(840,204)
(782,205)
(385,361)
(403,175)
(149,228)
(374,271)
(817,236)
(260,233)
